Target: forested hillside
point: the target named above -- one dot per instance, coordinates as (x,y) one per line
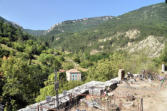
(77,25)
(70,26)
(25,64)
(27,67)
(35,32)
(117,33)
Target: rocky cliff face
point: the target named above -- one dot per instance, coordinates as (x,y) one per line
(151,45)
(77,25)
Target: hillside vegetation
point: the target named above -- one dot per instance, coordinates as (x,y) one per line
(70,26)
(77,25)
(25,63)
(116,33)
(35,32)
(27,67)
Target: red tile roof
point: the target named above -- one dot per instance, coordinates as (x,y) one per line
(73,70)
(62,70)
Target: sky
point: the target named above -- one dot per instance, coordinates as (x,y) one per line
(42,14)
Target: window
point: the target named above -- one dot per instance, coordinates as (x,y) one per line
(74,76)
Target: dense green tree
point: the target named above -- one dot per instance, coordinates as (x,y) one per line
(67,65)
(76,58)
(106,69)
(3,52)
(14,91)
(49,60)
(29,50)
(21,84)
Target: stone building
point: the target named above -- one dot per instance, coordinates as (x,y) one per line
(73,75)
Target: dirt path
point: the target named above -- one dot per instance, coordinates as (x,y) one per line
(154,98)
(157,102)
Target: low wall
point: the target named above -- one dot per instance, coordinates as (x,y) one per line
(77,93)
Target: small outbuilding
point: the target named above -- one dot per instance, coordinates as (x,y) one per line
(73,75)
(121,74)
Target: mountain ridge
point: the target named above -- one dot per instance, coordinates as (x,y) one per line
(149,21)
(107,33)
(70,26)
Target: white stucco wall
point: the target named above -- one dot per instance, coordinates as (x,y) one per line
(69,76)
